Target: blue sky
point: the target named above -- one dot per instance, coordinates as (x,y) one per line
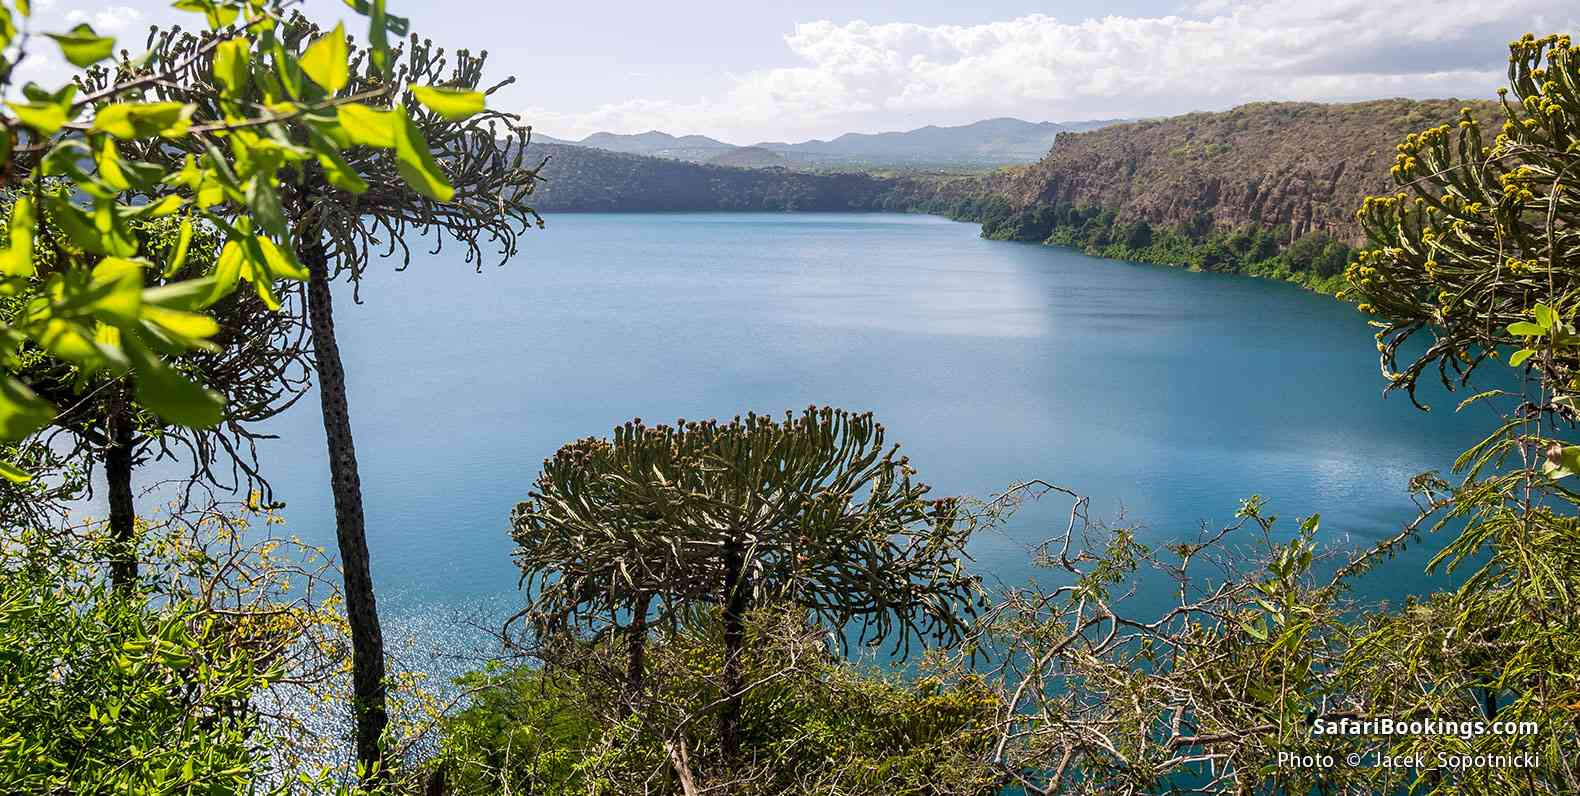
(749,71)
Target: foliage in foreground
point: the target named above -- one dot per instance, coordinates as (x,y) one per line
(153,690)
(813,724)
(92,306)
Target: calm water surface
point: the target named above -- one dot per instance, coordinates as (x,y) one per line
(1163,394)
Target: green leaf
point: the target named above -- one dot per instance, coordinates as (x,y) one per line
(265,205)
(75,343)
(18,259)
(164,207)
(116,238)
(325,60)
(178,255)
(1518,357)
(1544,315)
(227,272)
(398,26)
(8,25)
(366,126)
(1562,461)
(46,118)
(172,396)
(83,47)
(231,65)
(340,173)
(187,329)
(378,41)
(186,295)
(219,15)
(21,411)
(451,103)
(281,261)
(1526,329)
(415,163)
(118,290)
(109,163)
(257,268)
(60,96)
(144,119)
(75,223)
(14,474)
(64,160)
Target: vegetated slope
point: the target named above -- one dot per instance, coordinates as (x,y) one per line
(1304,165)
(1268,188)
(750,157)
(584,179)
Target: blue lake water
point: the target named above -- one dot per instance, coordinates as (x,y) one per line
(1164,394)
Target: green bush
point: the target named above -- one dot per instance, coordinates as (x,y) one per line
(813,724)
(102,692)
(147,689)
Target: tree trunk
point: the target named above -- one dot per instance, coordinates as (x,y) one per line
(367,641)
(118,475)
(736,594)
(638,653)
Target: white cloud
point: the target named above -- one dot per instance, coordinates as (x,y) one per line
(861,76)
(127,24)
(109,19)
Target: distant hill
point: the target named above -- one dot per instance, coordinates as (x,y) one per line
(750,157)
(984,144)
(695,148)
(579,178)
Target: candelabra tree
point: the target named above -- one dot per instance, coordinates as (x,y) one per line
(815,511)
(1481,231)
(1479,251)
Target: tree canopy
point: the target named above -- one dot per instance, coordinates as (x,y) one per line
(825,514)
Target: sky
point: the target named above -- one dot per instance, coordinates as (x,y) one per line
(746,71)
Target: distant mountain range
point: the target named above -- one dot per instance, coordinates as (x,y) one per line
(988,143)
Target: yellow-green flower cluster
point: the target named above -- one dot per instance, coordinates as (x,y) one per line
(1515,182)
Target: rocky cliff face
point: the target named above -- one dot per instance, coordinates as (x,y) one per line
(1303,167)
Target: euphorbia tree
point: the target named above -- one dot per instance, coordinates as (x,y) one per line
(813,511)
(1481,230)
(1479,250)
(234,129)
